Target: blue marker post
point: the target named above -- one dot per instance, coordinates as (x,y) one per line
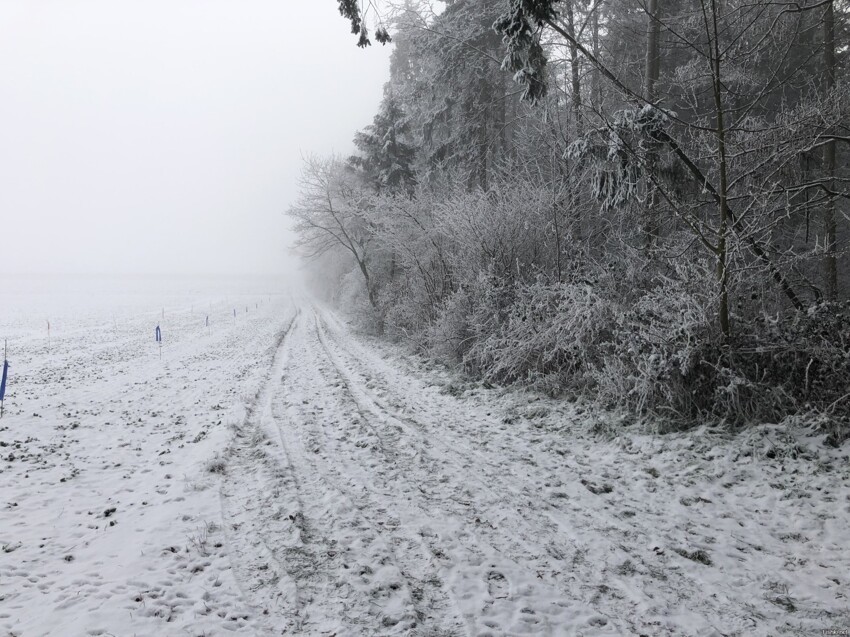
(3,379)
(158,334)
(208,324)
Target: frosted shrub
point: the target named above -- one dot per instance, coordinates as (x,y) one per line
(801,362)
(449,336)
(404,317)
(354,298)
(738,399)
(502,283)
(472,313)
(659,347)
(548,330)
(667,358)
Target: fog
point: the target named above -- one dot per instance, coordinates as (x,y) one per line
(166,135)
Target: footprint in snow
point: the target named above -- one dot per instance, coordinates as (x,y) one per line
(497,585)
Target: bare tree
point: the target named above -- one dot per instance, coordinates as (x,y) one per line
(330,213)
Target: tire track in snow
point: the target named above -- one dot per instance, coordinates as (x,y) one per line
(564,529)
(377,479)
(251,483)
(356,547)
(307,555)
(499,594)
(361,520)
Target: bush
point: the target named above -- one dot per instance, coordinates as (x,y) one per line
(661,347)
(548,330)
(449,336)
(799,362)
(476,279)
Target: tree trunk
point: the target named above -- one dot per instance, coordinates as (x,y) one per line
(556,222)
(574,66)
(653,70)
(595,78)
(653,62)
(372,297)
(830,265)
(575,88)
(723,190)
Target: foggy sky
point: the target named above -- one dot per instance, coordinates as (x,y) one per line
(155,136)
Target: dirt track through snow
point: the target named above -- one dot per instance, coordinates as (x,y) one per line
(382,504)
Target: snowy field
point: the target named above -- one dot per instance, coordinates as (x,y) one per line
(276,474)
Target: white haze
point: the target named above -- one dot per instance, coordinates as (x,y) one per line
(166,135)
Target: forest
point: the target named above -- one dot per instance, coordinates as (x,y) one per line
(638,203)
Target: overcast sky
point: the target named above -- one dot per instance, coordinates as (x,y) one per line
(166,135)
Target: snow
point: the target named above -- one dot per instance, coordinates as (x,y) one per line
(282,475)
(110,522)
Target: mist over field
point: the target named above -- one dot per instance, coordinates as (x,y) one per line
(165,137)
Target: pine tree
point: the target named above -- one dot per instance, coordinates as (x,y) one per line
(385,159)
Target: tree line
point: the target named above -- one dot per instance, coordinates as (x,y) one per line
(642,202)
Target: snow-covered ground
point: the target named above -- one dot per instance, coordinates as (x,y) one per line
(282,476)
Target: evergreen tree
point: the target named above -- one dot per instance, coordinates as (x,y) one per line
(385,159)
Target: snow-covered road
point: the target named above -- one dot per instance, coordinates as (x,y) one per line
(290,478)
(366,497)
